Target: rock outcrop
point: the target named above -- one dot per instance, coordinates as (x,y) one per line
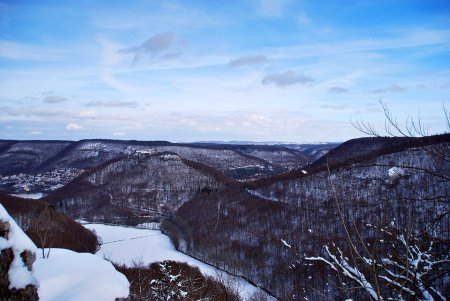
(17,255)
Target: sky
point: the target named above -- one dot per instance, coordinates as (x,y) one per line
(248,70)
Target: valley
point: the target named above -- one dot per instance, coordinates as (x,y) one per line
(276,215)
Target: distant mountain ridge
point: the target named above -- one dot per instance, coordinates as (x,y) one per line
(34,156)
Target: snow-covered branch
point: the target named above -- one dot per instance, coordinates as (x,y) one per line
(341,264)
(407,265)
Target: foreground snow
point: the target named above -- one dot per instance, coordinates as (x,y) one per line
(128,245)
(71,276)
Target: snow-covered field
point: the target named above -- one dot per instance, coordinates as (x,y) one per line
(127,245)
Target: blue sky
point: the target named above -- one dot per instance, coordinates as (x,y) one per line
(260,70)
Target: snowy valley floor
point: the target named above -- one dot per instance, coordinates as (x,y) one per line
(126,245)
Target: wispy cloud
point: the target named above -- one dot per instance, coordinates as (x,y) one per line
(119,134)
(394,88)
(409,39)
(286,78)
(20,51)
(248,60)
(111,57)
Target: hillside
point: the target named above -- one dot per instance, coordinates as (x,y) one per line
(276,226)
(364,149)
(27,156)
(140,184)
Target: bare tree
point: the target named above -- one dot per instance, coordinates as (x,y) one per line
(42,227)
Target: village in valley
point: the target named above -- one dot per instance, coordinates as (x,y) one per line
(41,182)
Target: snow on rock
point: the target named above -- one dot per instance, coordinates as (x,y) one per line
(19,274)
(71,276)
(396,172)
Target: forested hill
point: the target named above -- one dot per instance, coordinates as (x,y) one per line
(317,235)
(365,149)
(353,151)
(299,227)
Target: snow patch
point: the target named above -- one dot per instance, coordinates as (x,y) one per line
(396,172)
(33,196)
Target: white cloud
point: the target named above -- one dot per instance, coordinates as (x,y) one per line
(119,134)
(73,127)
(35,133)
